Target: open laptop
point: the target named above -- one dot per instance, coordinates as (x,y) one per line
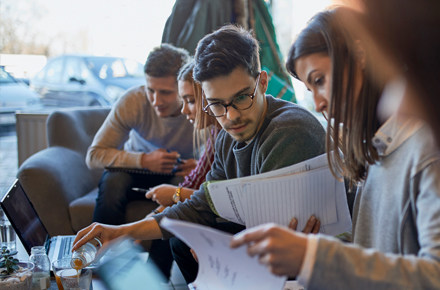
(28,226)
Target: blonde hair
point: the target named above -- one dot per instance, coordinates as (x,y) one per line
(206,127)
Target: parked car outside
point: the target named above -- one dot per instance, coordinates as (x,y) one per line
(86,80)
(15,96)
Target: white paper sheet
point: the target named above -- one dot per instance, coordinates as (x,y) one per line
(227,195)
(221,267)
(314,192)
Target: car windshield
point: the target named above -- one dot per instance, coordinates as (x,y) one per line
(112,67)
(5,78)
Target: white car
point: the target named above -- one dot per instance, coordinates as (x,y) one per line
(14,96)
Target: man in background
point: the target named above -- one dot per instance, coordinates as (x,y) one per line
(144,130)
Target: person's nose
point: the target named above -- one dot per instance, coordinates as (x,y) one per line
(157,100)
(232,113)
(321,104)
(185,110)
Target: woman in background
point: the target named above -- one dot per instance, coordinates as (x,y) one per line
(206,128)
(396,216)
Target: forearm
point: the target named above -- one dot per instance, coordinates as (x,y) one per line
(360,268)
(100,157)
(186,193)
(195,210)
(146,229)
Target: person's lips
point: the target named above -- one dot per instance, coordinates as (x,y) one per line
(161,109)
(237,129)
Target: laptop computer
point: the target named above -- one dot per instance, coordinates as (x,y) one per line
(28,226)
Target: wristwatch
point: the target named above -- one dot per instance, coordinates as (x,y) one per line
(176,196)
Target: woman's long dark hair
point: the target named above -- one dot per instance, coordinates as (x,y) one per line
(352,122)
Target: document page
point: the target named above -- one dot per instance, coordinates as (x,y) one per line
(221,267)
(227,195)
(297,196)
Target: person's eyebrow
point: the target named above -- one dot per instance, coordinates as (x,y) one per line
(240,92)
(162,90)
(187,96)
(309,76)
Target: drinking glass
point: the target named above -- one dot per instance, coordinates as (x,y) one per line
(57,267)
(71,281)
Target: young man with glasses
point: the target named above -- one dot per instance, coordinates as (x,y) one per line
(260,133)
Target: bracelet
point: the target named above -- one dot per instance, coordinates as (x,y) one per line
(176,196)
(155,211)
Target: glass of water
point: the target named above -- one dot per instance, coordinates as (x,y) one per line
(7,233)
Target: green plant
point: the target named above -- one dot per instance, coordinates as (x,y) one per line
(8,262)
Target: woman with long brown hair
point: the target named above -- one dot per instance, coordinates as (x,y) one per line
(396,221)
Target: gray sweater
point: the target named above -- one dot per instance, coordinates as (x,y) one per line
(289,134)
(396,220)
(132,128)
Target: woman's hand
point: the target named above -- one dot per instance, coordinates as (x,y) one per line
(279,248)
(162,194)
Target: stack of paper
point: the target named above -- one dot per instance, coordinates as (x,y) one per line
(298,191)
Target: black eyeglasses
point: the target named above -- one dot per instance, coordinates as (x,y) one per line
(241,102)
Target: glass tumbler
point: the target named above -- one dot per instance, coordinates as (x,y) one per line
(73,280)
(57,267)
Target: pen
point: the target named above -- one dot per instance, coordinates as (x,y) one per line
(140,189)
(178,159)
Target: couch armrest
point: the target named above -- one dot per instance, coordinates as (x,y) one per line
(52,178)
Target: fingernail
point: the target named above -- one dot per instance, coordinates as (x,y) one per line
(295,220)
(313,218)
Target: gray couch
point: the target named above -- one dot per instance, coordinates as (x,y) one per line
(57,181)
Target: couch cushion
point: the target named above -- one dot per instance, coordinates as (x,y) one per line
(81,210)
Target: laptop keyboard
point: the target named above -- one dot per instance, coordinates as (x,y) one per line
(66,247)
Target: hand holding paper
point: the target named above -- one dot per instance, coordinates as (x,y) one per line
(221,267)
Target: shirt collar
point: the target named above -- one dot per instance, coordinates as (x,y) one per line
(394,132)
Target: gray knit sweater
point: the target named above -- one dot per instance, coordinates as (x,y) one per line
(289,134)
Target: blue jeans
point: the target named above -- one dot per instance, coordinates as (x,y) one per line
(114,195)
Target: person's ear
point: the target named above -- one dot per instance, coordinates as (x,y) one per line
(264,81)
(361,55)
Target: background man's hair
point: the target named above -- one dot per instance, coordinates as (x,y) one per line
(165,60)
(222,51)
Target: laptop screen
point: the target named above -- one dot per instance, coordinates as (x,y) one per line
(24,219)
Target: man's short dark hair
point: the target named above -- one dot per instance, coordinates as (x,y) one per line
(222,51)
(165,60)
